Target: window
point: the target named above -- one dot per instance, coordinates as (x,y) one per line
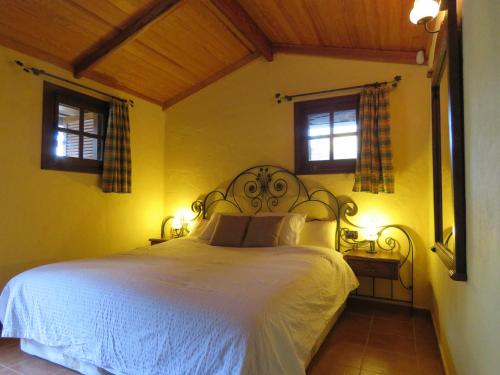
(73,130)
(326,135)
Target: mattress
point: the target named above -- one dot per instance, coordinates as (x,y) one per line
(181,307)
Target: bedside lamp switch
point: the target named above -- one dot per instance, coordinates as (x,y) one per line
(352,234)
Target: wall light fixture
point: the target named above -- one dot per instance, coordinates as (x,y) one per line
(423,12)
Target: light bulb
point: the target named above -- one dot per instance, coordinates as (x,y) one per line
(423,11)
(177,222)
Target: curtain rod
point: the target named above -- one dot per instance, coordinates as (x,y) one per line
(38,72)
(279,97)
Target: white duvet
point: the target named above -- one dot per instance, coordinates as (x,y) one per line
(183,307)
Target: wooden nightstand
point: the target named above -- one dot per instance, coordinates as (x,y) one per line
(155,241)
(381,265)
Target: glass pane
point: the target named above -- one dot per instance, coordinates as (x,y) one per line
(344,122)
(319,149)
(90,150)
(448,207)
(345,147)
(91,122)
(318,124)
(67,145)
(69,117)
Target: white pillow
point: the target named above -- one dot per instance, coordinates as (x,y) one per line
(318,233)
(291,227)
(198,228)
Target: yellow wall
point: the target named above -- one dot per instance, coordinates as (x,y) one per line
(468,314)
(47,216)
(235,123)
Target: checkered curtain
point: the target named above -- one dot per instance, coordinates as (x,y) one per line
(374,171)
(117,164)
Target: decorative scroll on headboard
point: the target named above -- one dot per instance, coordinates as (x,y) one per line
(268,188)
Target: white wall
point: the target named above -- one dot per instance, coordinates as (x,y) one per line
(468,314)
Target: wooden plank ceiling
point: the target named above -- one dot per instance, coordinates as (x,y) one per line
(165,50)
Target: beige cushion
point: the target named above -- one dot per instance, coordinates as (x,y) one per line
(229,231)
(263,231)
(292,226)
(208,231)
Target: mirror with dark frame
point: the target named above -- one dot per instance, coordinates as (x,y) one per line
(448,145)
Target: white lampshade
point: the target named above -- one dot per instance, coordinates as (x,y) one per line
(177,222)
(424,11)
(371,231)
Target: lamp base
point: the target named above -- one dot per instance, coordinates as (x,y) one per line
(372,249)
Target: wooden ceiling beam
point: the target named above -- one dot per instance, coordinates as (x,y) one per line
(214,77)
(138,24)
(238,16)
(402,57)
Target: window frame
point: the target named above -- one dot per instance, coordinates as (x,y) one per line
(301,110)
(52,96)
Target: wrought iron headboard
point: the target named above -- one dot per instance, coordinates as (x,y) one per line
(269,188)
(265,188)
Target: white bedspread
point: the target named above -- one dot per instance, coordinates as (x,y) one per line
(182,307)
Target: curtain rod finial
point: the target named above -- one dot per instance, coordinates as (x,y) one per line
(396,80)
(38,72)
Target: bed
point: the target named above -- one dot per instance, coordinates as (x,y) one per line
(184,306)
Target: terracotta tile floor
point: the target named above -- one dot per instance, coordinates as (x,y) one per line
(369,339)
(379,339)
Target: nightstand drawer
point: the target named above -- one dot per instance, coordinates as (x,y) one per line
(382,270)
